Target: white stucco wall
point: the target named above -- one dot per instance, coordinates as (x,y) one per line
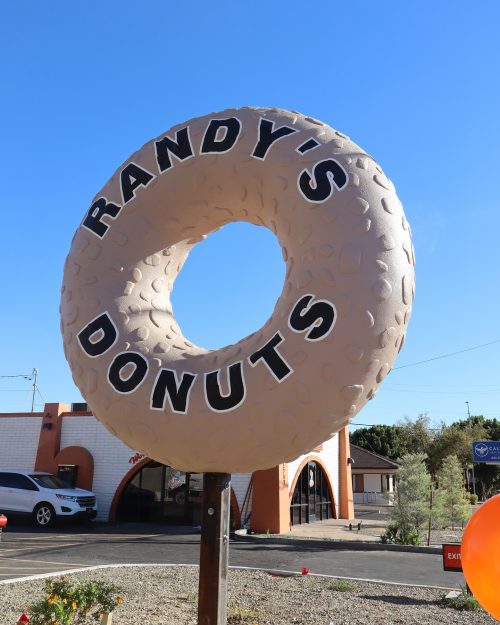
(19,441)
(112,460)
(111,457)
(330,458)
(372,483)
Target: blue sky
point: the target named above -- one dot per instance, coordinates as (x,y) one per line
(415,84)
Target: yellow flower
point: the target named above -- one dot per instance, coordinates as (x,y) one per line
(74,605)
(65,601)
(101,615)
(119,600)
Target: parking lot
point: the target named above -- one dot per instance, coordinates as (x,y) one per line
(25,553)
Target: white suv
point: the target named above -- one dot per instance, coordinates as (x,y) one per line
(44,497)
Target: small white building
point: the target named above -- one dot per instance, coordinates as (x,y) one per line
(373,477)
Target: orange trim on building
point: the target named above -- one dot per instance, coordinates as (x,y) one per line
(317,459)
(49,442)
(345,476)
(83,459)
(271,500)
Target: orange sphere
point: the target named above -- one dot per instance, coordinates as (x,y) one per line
(481,555)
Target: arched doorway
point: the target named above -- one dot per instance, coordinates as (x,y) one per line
(162,494)
(312,498)
(156,493)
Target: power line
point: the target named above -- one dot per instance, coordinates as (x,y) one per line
(20,375)
(468,349)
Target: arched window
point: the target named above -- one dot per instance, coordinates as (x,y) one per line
(312,498)
(158,493)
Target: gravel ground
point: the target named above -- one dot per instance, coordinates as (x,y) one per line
(168,596)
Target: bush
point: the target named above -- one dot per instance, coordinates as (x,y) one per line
(400,536)
(464,602)
(343,585)
(473,499)
(65,603)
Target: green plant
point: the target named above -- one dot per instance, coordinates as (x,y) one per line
(191,597)
(452,500)
(410,511)
(65,603)
(473,499)
(343,585)
(400,536)
(237,614)
(464,602)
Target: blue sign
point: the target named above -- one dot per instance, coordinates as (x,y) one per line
(486,451)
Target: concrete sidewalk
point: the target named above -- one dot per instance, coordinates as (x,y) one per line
(338,529)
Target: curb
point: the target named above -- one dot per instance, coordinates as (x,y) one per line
(333,543)
(276,572)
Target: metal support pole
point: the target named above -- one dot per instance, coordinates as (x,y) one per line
(214,549)
(35,374)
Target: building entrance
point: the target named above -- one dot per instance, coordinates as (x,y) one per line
(312,498)
(162,494)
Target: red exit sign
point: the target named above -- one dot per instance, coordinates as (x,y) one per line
(452,559)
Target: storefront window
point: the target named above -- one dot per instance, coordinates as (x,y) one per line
(311,499)
(162,494)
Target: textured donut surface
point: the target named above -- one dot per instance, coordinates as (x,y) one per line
(333,335)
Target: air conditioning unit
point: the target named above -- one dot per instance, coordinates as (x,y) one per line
(79,407)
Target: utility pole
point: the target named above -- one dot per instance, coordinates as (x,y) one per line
(473,475)
(35,376)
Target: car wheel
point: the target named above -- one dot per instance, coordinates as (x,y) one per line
(43,515)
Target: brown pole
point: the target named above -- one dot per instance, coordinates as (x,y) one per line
(214,549)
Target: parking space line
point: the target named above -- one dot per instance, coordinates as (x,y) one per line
(46,562)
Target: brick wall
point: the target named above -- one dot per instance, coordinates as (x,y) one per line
(111,456)
(111,460)
(19,441)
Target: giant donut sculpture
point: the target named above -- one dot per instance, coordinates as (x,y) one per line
(335,330)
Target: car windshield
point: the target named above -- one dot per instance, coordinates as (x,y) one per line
(49,481)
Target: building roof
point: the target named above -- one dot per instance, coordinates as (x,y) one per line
(364,459)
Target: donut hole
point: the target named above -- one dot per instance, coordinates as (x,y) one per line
(229,285)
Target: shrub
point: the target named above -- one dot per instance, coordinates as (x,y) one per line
(473,499)
(400,536)
(464,602)
(65,603)
(343,585)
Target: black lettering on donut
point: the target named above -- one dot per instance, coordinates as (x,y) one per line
(218,402)
(213,142)
(131,177)
(98,336)
(267,136)
(275,362)
(310,144)
(167,385)
(318,187)
(134,379)
(318,317)
(180,148)
(96,212)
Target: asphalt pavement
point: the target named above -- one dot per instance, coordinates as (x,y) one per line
(24,553)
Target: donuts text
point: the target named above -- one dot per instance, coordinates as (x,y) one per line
(315,318)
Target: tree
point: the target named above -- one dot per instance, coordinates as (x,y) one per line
(455,439)
(416,436)
(410,511)
(385,440)
(452,500)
